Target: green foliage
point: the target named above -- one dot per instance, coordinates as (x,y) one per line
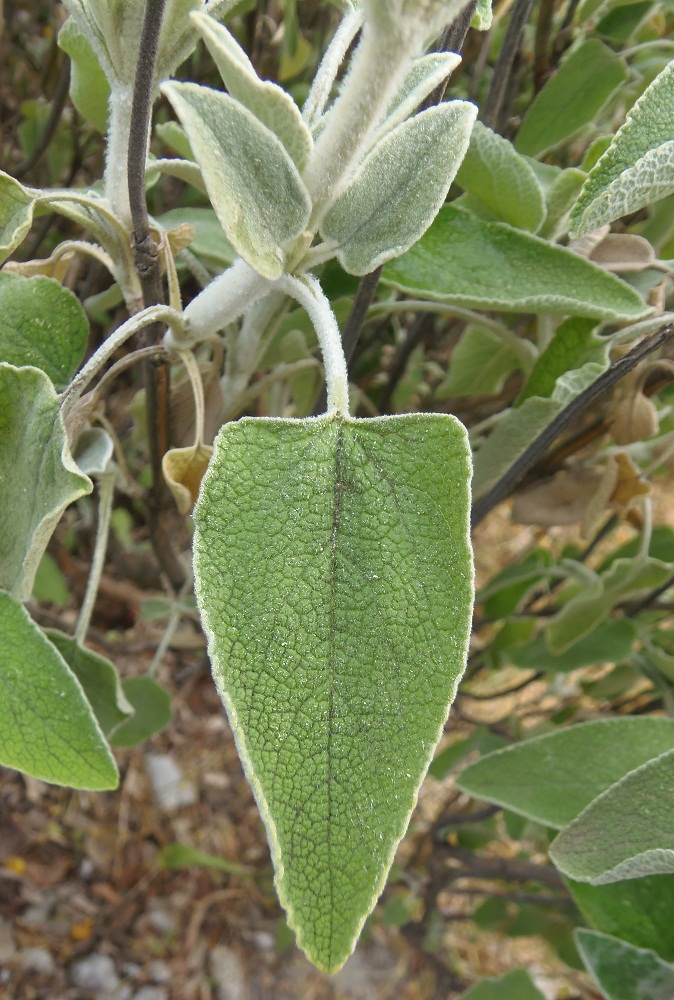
(553,777)
(336,654)
(638,166)
(516,985)
(48,727)
(623,971)
(151,705)
(465,261)
(32,437)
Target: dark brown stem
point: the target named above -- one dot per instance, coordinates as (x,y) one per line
(155,371)
(537,449)
(400,359)
(495,108)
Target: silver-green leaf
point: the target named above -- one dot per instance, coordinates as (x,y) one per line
(252,182)
(399,187)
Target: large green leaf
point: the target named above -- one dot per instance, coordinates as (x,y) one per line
(39,477)
(638,166)
(267,101)
(333,574)
(640,911)
(502,180)
(516,985)
(99,679)
(41,324)
(48,729)
(623,971)
(252,182)
(552,778)
(572,98)
(16,214)
(624,833)
(399,187)
(489,265)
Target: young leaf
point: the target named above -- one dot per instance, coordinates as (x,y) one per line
(48,729)
(480,364)
(41,324)
(583,613)
(151,704)
(35,463)
(424,75)
(89,88)
(586,79)
(337,651)
(253,184)
(638,166)
(489,265)
(640,911)
(399,187)
(624,833)
(99,679)
(622,971)
(516,985)
(267,101)
(502,180)
(552,778)
(16,214)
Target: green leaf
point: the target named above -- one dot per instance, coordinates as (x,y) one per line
(49,586)
(396,192)
(560,198)
(482,17)
(254,186)
(424,75)
(552,778)
(481,739)
(183,856)
(210,243)
(480,364)
(585,81)
(640,911)
(638,166)
(48,729)
(610,642)
(625,578)
(624,833)
(99,679)
(502,180)
(37,471)
(622,971)
(41,324)
(333,574)
(488,265)
(89,89)
(151,704)
(511,436)
(16,214)
(268,102)
(516,985)
(93,451)
(573,345)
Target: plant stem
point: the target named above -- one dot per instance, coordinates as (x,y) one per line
(308,292)
(495,108)
(106,492)
(116,178)
(156,314)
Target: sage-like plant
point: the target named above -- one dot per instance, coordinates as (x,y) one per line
(332,560)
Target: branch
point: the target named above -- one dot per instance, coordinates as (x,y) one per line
(495,105)
(537,449)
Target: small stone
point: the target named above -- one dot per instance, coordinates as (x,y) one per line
(158,971)
(95,972)
(228,975)
(151,993)
(162,920)
(264,940)
(36,960)
(170,788)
